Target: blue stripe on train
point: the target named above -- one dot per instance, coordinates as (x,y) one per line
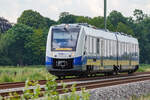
(49,61)
(77,61)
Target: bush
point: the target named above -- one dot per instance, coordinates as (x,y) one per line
(50,92)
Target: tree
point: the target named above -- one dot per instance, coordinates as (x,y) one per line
(82,19)
(34,19)
(115,17)
(143,34)
(5,42)
(124,28)
(139,15)
(50,22)
(67,18)
(98,22)
(63,14)
(13,43)
(36,46)
(4,25)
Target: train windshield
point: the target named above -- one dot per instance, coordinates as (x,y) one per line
(64,40)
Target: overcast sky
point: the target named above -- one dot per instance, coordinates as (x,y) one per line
(12,9)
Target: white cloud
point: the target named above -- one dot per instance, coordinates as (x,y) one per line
(11,10)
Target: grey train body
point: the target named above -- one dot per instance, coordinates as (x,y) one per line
(81,49)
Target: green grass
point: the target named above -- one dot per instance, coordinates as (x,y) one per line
(144,68)
(19,74)
(144,97)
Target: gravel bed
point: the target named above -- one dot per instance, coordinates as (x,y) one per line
(121,92)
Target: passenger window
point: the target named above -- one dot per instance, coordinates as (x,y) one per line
(97,45)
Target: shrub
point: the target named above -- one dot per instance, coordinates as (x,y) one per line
(50,92)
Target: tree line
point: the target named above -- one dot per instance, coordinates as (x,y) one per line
(25,42)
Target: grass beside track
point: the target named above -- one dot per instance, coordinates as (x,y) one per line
(145,97)
(144,68)
(19,74)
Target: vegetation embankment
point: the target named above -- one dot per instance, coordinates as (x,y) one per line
(21,74)
(144,68)
(144,97)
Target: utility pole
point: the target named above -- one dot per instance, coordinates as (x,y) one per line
(105,18)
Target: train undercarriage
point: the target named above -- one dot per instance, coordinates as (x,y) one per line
(90,72)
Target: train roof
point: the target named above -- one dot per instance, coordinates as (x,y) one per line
(101,33)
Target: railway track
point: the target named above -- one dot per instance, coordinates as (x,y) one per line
(42,82)
(88,83)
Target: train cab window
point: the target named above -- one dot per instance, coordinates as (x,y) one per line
(64,39)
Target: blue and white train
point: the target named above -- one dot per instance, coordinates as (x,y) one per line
(81,49)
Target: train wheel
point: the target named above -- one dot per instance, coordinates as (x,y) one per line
(116,69)
(83,76)
(130,72)
(61,77)
(109,73)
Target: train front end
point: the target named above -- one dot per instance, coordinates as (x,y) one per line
(62,57)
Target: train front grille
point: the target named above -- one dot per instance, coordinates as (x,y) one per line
(62,63)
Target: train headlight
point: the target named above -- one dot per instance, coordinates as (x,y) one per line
(52,54)
(66,26)
(72,54)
